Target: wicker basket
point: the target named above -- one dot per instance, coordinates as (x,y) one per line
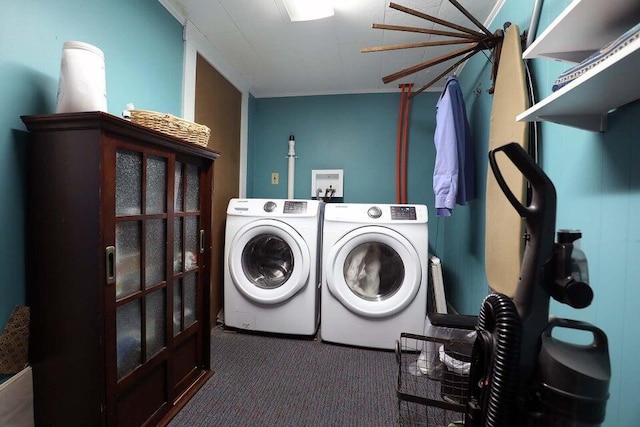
(172,125)
(14,342)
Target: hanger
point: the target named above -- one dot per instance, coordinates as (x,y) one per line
(472,41)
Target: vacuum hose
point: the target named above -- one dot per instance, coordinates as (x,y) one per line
(499,316)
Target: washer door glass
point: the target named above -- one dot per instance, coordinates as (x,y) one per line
(268,261)
(373,271)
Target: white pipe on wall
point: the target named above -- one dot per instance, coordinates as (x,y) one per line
(292,166)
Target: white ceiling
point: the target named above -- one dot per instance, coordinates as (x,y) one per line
(278,57)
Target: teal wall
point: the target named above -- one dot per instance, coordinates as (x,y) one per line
(596,177)
(349,132)
(143,49)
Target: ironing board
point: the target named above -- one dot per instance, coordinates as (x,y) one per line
(504,244)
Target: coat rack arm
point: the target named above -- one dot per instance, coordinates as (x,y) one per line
(419,67)
(473,41)
(434,19)
(444,73)
(426,31)
(470,16)
(494,68)
(414,45)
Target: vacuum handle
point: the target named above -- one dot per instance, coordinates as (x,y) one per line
(599,337)
(531,171)
(522,210)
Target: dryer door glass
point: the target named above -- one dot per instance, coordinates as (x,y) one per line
(267,261)
(373,271)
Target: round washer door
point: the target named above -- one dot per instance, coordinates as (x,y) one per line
(269,261)
(373,271)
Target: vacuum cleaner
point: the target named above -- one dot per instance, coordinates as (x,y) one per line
(521,374)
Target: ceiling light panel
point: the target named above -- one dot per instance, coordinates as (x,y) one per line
(308,10)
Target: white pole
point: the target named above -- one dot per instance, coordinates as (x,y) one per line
(292,166)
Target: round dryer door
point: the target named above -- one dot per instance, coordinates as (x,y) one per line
(269,261)
(373,271)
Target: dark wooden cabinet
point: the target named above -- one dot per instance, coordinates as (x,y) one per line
(118,270)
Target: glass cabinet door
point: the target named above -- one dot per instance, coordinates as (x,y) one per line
(140,257)
(187,241)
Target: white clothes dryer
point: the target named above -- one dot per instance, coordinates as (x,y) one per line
(374,281)
(271,262)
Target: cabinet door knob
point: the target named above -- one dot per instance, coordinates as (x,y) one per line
(201,241)
(110,265)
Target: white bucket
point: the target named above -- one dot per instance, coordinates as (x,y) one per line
(82,85)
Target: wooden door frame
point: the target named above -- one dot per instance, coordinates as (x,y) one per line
(195,43)
(196,49)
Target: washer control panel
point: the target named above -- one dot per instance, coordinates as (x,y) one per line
(403,213)
(295,207)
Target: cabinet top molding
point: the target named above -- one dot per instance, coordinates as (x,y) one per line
(113,124)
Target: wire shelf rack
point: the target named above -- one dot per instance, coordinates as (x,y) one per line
(430,392)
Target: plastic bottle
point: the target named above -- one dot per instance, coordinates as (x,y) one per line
(82,84)
(126,113)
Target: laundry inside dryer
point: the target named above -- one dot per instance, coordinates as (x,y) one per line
(374,271)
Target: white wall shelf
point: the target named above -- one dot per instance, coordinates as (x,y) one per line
(582,28)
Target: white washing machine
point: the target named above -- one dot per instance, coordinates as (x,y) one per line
(374,281)
(271,262)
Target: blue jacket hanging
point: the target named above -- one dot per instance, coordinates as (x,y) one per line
(455,168)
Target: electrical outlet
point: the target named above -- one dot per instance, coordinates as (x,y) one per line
(275,178)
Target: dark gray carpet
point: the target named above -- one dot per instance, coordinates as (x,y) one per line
(278,381)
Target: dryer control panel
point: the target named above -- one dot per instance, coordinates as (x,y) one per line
(403,213)
(375,214)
